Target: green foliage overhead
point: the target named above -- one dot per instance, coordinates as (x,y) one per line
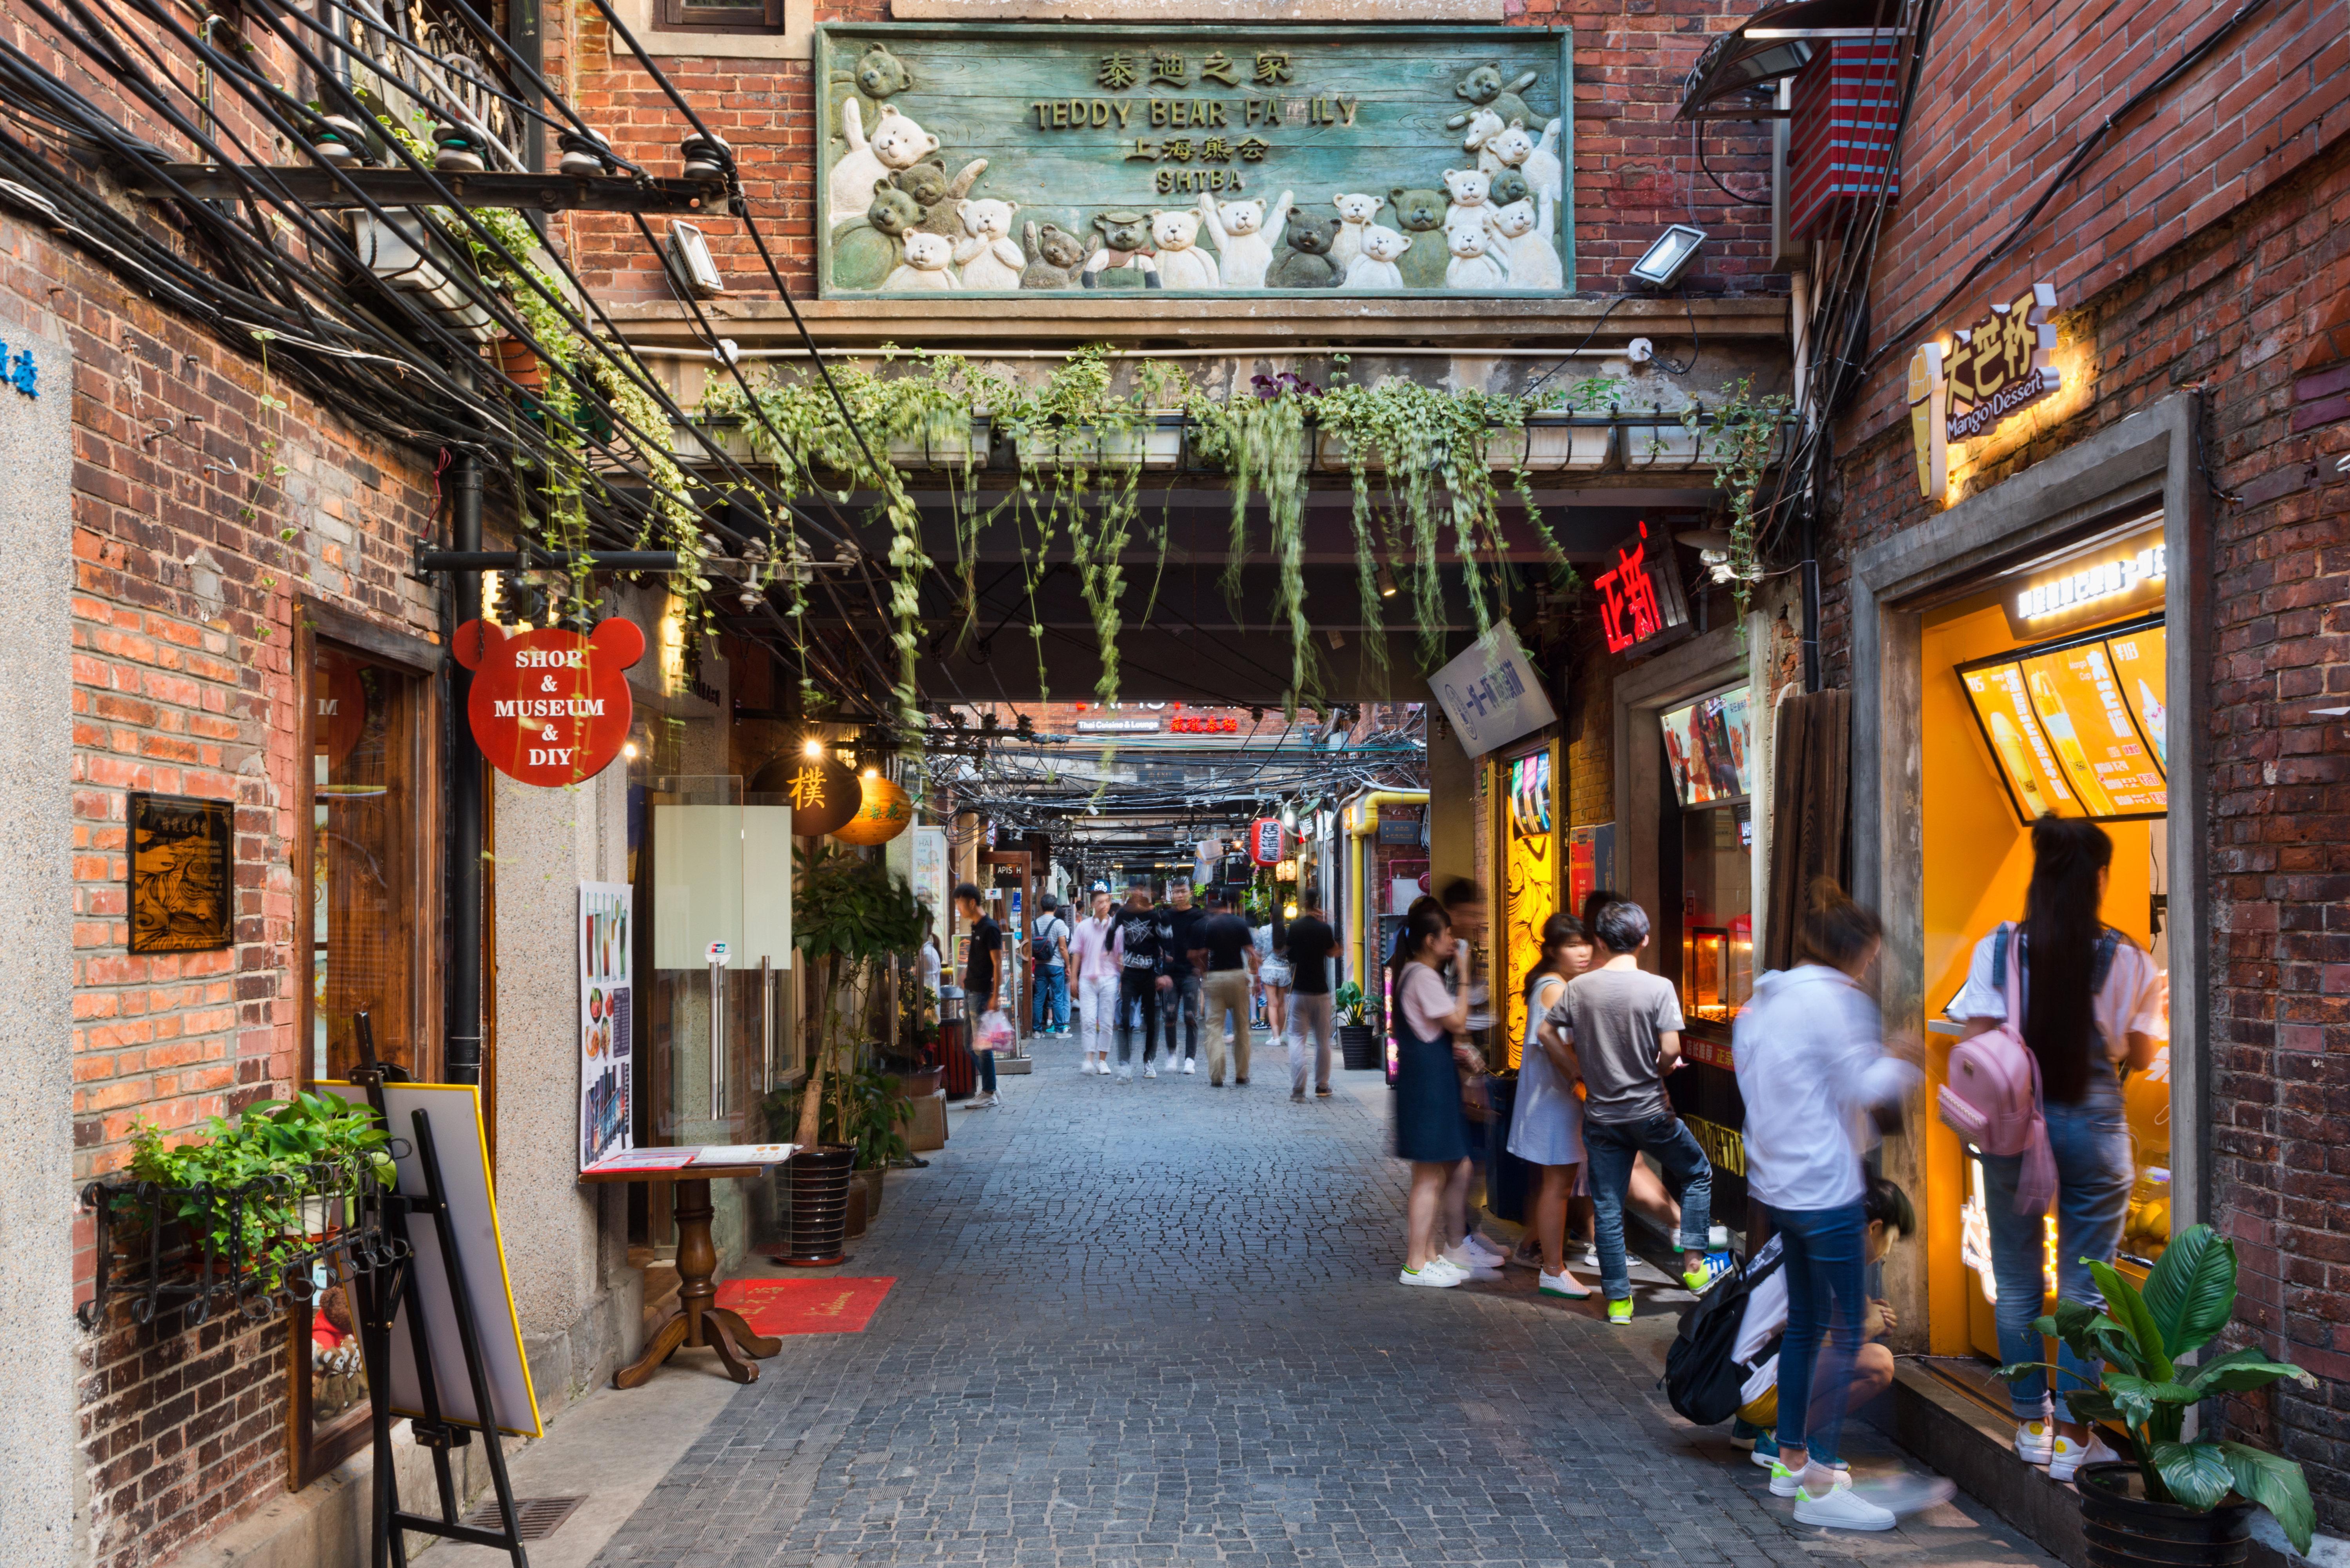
(2189,1298)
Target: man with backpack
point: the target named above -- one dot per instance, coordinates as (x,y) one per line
(1048,945)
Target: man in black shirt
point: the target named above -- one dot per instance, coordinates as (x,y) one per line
(1139,981)
(1224,945)
(1178,925)
(982,967)
(1311,942)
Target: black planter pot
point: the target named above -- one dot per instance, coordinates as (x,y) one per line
(2125,1530)
(817,1187)
(1359,1046)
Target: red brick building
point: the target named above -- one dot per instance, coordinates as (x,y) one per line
(2179,178)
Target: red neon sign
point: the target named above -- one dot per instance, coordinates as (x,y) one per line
(1628,612)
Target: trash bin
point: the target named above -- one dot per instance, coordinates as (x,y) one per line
(961,1067)
(1508,1178)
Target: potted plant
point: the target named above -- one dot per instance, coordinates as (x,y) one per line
(1358,1044)
(849,916)
(2181,1502)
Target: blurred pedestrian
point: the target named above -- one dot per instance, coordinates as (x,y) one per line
(1229,957)
(1095,958)
(1048,944)
(1141,979)
(1178,996)
(1311,943)
(982,986)
(1812,1068)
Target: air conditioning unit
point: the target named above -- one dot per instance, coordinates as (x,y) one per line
(403,253)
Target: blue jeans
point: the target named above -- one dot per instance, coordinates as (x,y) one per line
(2091,1142)
(1611,1147)
(1052,999)
(1826,1297)
(1182,1000)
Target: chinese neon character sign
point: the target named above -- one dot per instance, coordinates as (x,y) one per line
(1630,611)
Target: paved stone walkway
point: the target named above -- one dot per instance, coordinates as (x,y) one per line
(1158,1324)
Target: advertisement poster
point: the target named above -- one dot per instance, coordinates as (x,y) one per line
(606,1061)
(929,873)
(2140,665)
(1708,748)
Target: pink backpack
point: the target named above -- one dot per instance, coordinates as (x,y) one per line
(1992,1095)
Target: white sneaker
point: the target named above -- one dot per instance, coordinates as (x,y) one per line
(1434,1273)
(2066,1457)
(1471,1263)
(1785,1482)
(1484,1248)
(2035,1442)
(1842,1508)
(1189,1064)
(1150,1070)
(1561,1286)
(1591,1258)
(1125,1072)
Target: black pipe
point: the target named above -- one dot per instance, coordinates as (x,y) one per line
(526,560)
(462,1059)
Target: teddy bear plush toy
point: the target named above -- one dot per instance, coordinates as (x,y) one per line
(896,143)
(927,265)
(1526,247)
(987,257)
(1376,267)
(1181,263)
(1123,259)
(1472,265)
(1484,88)
(1420,212)
(865,249)
(1053,256)
(1355,214)
(1245,234)
(1307,263)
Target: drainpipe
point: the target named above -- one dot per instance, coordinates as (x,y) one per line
(1362,819)
(462,1060)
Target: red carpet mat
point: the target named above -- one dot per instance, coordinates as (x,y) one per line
(805,1306)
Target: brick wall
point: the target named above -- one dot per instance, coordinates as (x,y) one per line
(1634,167)
(2207,249)
(188,546)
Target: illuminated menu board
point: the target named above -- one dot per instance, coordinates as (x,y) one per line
(2069,724)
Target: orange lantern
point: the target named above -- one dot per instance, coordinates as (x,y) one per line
(886,811)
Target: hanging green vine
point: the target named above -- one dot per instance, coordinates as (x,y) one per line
(1429,470)
(1741,436)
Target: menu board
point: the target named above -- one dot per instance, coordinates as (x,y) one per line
(1711,749)
(1529,792)
(2142,664)
(2068,726)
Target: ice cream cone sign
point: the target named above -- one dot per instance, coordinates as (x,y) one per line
(549,707)
(1929,405)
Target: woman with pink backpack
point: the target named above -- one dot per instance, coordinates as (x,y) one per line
(2098,1010)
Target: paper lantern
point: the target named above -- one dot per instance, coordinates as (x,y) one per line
(821,790)
(884,813)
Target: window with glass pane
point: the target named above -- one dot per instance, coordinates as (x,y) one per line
(366,816)
(723,16)
(1717,912)
(369,893)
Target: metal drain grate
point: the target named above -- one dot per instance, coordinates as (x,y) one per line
(536,1517)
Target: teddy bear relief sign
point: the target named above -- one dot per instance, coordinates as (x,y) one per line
(1215,160)
(549,707)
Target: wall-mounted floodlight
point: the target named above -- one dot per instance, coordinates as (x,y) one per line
(1665,261)
(690,260)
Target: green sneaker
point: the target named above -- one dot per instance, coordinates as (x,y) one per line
(1619,1312)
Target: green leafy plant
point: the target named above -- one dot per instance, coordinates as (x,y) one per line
(1351,1007)
(848,914)
(242,1187)
(863,1111)
(2189,1299)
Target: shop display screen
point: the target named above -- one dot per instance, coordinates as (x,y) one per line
(2069,724)
(1529,792)
(1710,749)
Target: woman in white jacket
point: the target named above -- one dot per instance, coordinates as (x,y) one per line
(1812,1064)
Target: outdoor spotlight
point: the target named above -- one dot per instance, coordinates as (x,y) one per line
(812,747)
(1387,582)
(1712,547)
(1666,260)
(691,262)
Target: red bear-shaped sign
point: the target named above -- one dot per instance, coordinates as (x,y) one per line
(550,707)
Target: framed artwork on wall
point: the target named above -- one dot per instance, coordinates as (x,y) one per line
(180,886)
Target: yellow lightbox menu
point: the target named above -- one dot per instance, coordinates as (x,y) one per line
(2069,725)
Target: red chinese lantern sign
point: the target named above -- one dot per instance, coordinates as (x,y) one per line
(1264,841)
(549,707)
(1190,726)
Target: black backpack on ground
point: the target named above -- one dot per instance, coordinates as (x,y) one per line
(1700,1379)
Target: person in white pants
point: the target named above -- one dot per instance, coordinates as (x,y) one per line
(1096,957)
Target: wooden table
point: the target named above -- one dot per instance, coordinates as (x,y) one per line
(697,1322)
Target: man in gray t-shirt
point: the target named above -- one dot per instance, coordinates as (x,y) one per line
(1624,1026)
